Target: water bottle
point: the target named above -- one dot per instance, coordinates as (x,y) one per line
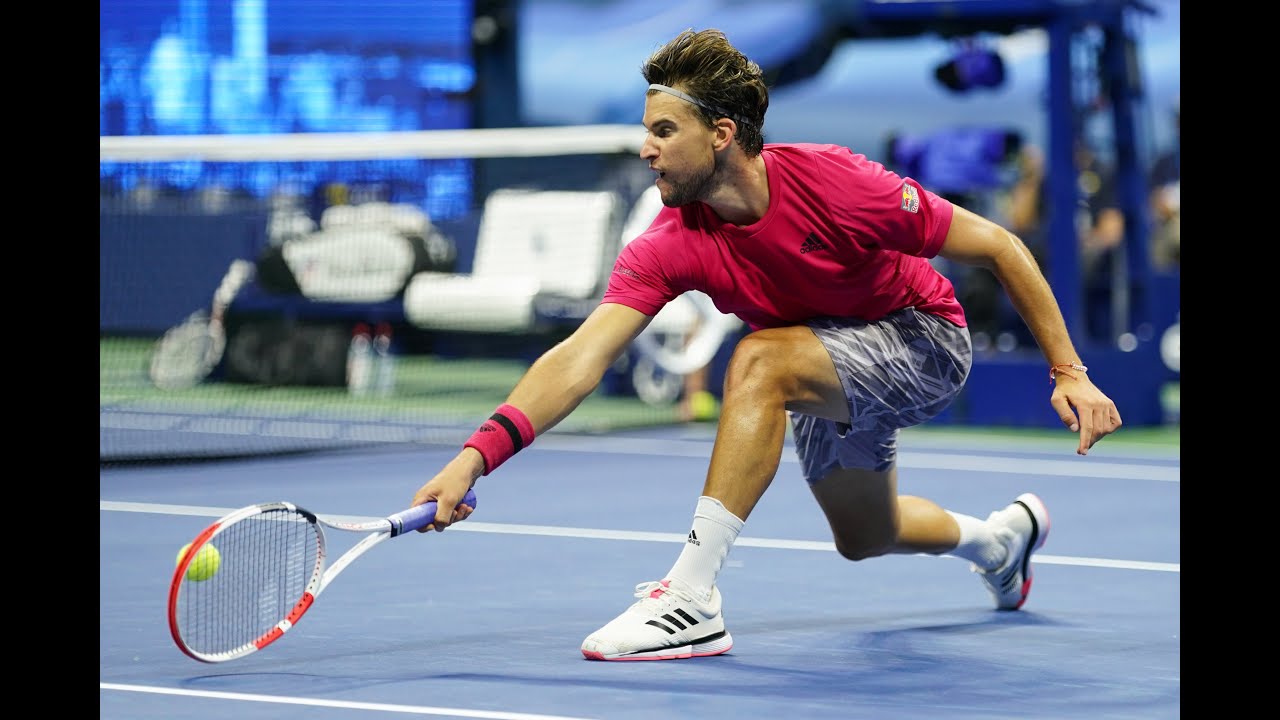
(385,360)
(360,361)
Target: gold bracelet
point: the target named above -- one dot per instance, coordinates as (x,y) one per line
(1065,369)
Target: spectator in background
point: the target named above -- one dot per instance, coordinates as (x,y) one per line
(1025,213)
(1099,224)
(1166,240)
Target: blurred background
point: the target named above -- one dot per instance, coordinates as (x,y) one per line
(328,225)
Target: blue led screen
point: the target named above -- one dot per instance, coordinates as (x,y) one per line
(181,67)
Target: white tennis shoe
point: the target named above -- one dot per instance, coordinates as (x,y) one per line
(667,623)
(1023,526)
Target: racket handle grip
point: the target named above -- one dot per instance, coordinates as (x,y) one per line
(420,516)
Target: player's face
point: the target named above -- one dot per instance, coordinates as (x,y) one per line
(680,148)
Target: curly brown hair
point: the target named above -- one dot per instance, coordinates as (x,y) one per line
(724,81)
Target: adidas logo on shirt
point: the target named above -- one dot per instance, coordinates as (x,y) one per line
(812,244)
(693,539)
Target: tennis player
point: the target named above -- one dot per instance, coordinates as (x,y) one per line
(855,335)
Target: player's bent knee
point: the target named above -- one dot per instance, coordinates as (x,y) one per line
(869,541)
(861,550)
(765,360)
(752,353)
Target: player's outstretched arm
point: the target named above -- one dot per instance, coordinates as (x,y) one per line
(1082,407)
(553,387)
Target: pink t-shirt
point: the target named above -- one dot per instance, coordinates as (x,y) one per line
(843,237)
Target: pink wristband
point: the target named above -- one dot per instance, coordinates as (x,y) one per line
(505,433)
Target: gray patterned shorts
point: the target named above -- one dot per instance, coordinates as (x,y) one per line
(897,372)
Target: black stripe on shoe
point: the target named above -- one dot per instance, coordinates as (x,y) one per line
(674,621)
(691,643)
(687,617)
(1031,542)
(657,624)
(710,638)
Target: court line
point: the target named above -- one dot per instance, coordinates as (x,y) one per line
(1079,467)
(631,535)
(379,707)
(393,433)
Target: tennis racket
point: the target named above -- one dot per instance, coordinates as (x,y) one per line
(187,353)
(271,568)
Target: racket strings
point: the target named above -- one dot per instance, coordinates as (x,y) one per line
(268,562)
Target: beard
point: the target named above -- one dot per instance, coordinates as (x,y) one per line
(698,187)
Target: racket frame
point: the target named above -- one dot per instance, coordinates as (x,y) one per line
(378,530)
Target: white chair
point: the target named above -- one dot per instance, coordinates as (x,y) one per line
(530,242)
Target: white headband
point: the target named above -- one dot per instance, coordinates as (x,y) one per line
(691,99)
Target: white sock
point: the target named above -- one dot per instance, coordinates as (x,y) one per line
(713,533)
(978,544)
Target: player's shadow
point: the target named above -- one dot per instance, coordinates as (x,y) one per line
(971,663)
(960,659)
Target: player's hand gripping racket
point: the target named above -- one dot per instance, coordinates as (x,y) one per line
(267,570)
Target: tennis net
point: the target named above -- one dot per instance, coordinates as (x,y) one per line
(239,273)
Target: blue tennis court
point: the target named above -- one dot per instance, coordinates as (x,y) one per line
(485,620)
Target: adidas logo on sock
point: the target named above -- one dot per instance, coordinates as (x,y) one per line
(693,539)
(812,244)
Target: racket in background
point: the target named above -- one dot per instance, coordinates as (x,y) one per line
(270,567)
(187,353)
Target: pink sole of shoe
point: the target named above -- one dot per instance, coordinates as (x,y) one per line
(593,655)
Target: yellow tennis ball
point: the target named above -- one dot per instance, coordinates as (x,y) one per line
(205,564)
(703,405)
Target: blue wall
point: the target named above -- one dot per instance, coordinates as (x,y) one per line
(155,269)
